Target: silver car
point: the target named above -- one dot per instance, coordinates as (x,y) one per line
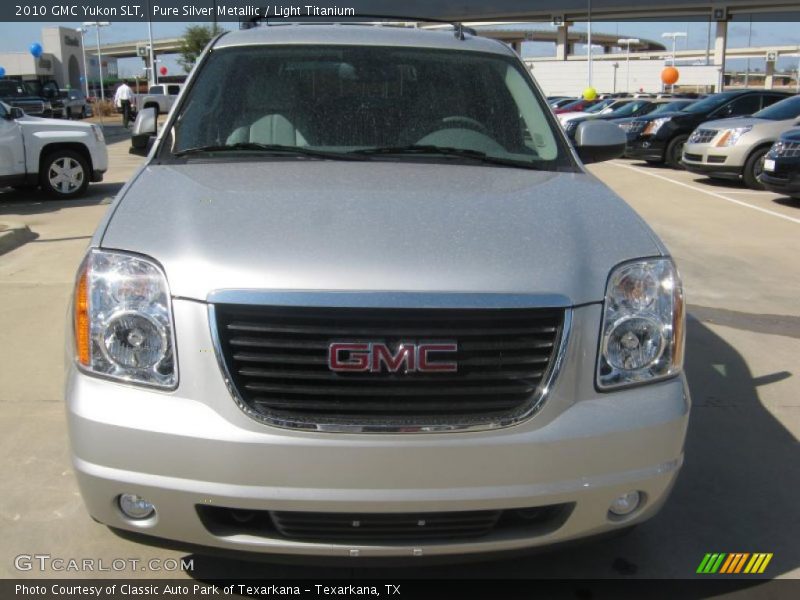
(735,148)
(363,300)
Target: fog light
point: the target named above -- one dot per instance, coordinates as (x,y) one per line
(135,507)
(625,504)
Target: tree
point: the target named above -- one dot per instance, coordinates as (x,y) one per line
(194,40)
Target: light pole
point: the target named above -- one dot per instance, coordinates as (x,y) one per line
(589,39)
(82,30)
(674,35)
(627,43)
(97,25)
(153,72)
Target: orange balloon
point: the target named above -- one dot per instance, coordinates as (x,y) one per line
(670,75)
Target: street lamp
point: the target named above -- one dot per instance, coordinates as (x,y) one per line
(674,35)
(153,72)
(83,30)
(97,25)
(627,43)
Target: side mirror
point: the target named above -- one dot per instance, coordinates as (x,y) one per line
(145,129)
(596,141)
(15,113)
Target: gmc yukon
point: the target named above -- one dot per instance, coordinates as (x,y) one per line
(363,300)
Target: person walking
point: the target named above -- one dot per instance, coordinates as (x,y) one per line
(122,99)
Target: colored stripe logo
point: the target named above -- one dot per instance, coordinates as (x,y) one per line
(734,563)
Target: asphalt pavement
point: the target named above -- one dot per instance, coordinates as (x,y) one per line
(738,253)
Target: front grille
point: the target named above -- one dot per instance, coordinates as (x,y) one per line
(33,107)
(702,136)
(277,361)
(692,157)
(783,149)
(382,527)
(716,160)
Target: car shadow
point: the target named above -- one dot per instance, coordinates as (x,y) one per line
(34,202)
(737,492)
(788,201)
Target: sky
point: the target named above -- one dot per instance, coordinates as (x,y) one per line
(18,36)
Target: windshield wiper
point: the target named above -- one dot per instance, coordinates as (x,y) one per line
(430,150)
(273,149)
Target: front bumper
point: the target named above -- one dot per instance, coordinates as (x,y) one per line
(788,184)
(194,447)
(705,159)
(645,148)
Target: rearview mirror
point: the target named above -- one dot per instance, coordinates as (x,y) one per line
(596,141)
(145,129)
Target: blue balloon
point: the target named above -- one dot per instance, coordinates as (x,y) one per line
(2,72)
(35,49)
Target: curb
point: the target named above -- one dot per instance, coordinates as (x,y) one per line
(13,235)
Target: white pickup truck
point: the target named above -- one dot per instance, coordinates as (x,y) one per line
(60,156)
(160,96)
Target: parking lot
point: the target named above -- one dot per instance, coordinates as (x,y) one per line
(738,253)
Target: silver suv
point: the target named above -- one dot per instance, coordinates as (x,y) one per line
(363,300)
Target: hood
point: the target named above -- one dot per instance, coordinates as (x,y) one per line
(377,226)
(669,114)
(733,123)
(791,135)
(55,124)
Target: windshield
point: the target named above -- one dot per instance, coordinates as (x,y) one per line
(600,106)
(13,88)
(781,111)
(375,102)
(678,105)
(707,104)
(628,109)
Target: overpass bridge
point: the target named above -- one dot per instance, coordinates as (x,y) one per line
(487,16)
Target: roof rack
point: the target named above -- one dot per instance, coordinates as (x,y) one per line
(459,30)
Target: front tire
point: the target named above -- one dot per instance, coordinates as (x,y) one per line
(753,168)
(64,174)
(675,151)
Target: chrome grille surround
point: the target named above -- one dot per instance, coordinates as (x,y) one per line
(334,299)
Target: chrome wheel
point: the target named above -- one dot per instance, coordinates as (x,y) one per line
(65,175)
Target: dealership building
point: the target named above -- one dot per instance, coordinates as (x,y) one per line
(61,59)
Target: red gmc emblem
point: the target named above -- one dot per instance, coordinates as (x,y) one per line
(374,357)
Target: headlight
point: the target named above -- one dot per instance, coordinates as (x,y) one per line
(98,133)
(123,320)
(731,136)
(654,125)
(643,324)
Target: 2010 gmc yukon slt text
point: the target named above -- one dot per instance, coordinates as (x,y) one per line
(363,300)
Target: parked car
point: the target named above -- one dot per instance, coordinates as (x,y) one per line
(603,107)
(20,95)
(781,172)
(575,106)
(60,157)
(635,107)
(633,126)
(662,137)
(161,97)
(75,104)
(735,148)
(562,102)
(362,300)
